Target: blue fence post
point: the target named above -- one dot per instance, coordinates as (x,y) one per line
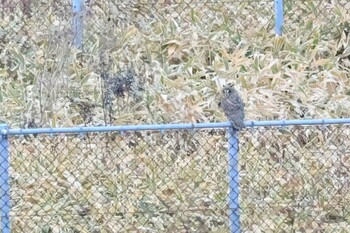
(4,180)
(77,24)
(279,17)
(233,181)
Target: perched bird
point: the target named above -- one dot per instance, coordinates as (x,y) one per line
(233,107)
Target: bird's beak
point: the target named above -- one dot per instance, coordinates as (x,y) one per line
(226,92)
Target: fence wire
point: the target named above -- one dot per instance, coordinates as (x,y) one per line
(45,73)
(293,178)
(31,22)
(108,182)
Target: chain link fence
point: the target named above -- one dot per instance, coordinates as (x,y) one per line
(292,178)
(142,181)
(34,20)
(329,17)
(295,179)
(46,76)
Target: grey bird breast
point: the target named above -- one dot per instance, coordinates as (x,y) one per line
(233,107)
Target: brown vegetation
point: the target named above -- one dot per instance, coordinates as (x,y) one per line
(179,55)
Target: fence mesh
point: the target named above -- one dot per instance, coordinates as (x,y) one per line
(142,181)
(44,73)
(295,179)
(33,18)
(291,179)
(327,18)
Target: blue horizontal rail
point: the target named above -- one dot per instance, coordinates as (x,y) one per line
(161,127)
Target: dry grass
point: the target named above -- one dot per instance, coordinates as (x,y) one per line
(181,56)
(181,63)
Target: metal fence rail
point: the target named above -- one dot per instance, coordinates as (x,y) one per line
(166,178)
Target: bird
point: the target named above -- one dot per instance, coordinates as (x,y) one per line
(233,107)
